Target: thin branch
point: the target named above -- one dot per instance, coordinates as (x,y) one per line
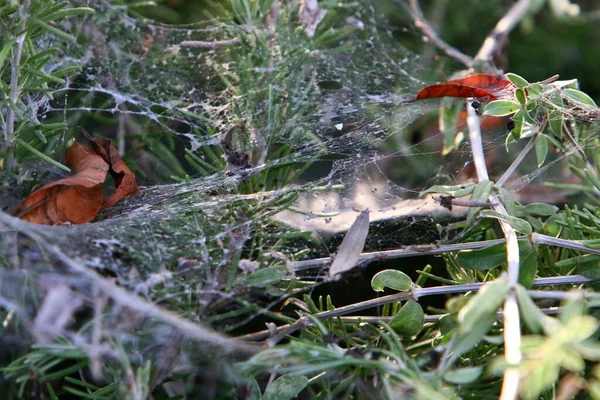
(410,251)
(512,320)
(416,293)
(515,164)
(423,25)
(494,40)
(209,45)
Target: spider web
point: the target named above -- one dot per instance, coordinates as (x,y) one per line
(246,105)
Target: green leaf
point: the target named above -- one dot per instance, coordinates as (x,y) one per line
(535,91)
(57,16)
(592,177)
(391,278)
(483,305)
(41,155)
(517,223)
(520,96)
(480,193)
(451,190)
(519,121)
(579,96)
(541,149)
(488,257)
(54,31)
(266,276)
(542,209)
(530,313)
(528,268)
(285,387)
(517,80)
(499,108)
(463,376)
(409,320)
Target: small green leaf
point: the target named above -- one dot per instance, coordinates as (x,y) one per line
(528,268)
(541,149)
(531,314)
(520,96)
(517,223)
(579,96)
(266,276)
(593,178)
(480,193)
(453,190)
(463,376)
(57,16)
(488,257)
(477,316)
(391,278)
(517,80)
(483,305)
(499,108)
(409,320)
(541,209)
(519,121)
(285,387)
(41,155)
(535,91)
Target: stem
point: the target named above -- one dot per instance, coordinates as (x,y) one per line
(512,320)
(515,164)
(494,40)
(424,26)
(416,293)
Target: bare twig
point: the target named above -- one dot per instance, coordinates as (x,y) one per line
(512,320)
(209,45)
(494,40)
(416,293)
(513,167)
(423,25)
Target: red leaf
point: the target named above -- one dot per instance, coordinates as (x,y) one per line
(480,86)
(76,199)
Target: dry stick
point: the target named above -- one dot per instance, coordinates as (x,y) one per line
(512,321)
(416,293)
(424,26)
(127,299)
(494,40)
(410,251)
(209,45)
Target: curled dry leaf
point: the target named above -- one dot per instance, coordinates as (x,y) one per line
(124,178)
(78,199)
(480,86)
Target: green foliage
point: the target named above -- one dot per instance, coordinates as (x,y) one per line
(228,263)
(32,74)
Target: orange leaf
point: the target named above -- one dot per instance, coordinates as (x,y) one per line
(124,178)
(481,86)
(76,199)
